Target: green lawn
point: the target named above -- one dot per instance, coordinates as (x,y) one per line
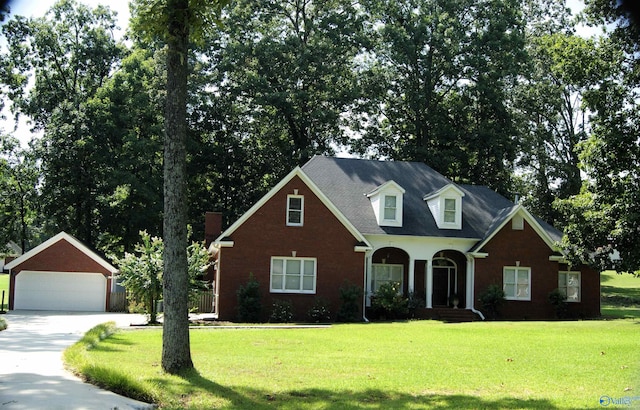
(412,365)
(4,286)
(620,295)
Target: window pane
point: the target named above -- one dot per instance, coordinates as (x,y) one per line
(573,279)
(276,282)
(390,201)
(295,203)
(309,267)
(292,282)
(523,277)
(307,283)
(523,291)
(276,266)
(295,217)
(509,276)
(293,267)
(449,204)
(509,290)
(573,294)
(562,280)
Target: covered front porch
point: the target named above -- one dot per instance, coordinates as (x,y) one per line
(439,278)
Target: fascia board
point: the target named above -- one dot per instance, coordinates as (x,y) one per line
(314,188)
(55,239)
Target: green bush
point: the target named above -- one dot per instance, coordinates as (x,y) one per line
(350,298)
(491,299)
(388,301)
(249,304)
(319,312)
(559,302)
(282,312)
(3,324)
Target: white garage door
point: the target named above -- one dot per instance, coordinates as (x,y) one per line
(73,291)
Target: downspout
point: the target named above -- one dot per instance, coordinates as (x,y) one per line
(472,265)
(364,290)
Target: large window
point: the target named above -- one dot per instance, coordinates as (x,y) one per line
(293,275)
(449,210)
(516,282)
(390,207)
(569,284)
(295,210)
(382,273)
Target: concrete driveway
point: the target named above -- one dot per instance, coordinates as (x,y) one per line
(32,375)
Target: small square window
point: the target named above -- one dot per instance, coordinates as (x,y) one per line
(295,210)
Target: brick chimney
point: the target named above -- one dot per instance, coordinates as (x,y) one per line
(212,226)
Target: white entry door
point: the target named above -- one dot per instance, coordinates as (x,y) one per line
(73,291)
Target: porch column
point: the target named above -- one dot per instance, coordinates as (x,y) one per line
(367,277)
(429,284)
(412,275)
(470,277)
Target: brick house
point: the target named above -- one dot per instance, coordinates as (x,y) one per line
(336,221)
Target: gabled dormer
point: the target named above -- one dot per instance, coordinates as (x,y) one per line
(387,203)
(446,206)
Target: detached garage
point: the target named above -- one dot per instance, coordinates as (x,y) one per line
(60,274)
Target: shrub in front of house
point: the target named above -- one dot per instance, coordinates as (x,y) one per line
(558,300)
(319,312)
(491,299)
(249,304)
(281,312)
(388,302)
(350,300)
(3,324)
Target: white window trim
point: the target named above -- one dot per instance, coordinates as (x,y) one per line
(301,197)
(566,272)
(455,210)
(384,208)
(285,259)
(518,268)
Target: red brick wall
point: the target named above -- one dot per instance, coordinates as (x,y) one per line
(525,246)
(265,234)
(60,257)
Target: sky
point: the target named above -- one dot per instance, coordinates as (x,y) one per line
(38,8)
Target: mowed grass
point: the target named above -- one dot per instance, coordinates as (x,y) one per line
(4,286)
(408,365)
(620,295)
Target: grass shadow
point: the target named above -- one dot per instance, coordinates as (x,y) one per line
(257,399)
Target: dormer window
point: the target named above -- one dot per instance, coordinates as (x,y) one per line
(390,207)
(295,210)
(446,206)
(450,210)
(386,201)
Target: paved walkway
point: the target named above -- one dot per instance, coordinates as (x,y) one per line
(32,375)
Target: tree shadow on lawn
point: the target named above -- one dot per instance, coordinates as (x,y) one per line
(257,399)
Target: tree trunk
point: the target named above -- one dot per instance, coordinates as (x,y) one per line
(176,353)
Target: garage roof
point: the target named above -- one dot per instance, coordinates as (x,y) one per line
(70,239)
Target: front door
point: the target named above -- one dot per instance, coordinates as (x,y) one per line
(444,281)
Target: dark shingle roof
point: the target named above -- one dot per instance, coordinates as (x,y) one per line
(347,181)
